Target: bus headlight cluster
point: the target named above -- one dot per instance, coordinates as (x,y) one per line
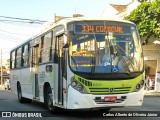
(139,86)
(78,86)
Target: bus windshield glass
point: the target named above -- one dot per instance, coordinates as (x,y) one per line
(104,47)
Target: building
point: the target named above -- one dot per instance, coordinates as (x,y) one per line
(119,11)
(152,64)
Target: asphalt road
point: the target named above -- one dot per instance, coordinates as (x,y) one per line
(9,102)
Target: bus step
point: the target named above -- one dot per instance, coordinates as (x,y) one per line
(60,106)
(36,98)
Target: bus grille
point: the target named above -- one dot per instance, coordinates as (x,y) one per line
(94,89)
(118,90)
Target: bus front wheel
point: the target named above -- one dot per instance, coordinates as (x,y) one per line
(21,99)
(51,108)
(19,93)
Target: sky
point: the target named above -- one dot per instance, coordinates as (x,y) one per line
(14,33)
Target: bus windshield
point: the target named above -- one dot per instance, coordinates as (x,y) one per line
(104,47)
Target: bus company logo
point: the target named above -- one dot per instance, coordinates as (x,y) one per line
(111,89)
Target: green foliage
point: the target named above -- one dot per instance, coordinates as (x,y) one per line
(147,18)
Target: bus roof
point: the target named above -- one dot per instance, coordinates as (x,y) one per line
(69,19)
(66,20)
(51,24)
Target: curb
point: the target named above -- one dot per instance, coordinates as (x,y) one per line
(2,87)
(152,94)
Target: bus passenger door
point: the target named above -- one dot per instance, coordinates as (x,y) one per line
(35,71)
(60,81)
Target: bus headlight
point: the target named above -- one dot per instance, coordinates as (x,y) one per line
(78,86)
(142,82)
(73,83)
(139,86)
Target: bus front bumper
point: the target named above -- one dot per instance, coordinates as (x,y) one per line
(77,100)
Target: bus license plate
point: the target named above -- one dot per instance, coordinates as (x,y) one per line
(110,98)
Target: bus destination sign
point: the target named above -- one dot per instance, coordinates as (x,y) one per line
(85,28)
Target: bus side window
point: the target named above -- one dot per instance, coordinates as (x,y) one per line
(22,60)
(25,56)
(18,58)
(41,49)
(45,48)
(12,60)
(56,50)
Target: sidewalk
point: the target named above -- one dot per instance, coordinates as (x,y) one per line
(2,87)
(151,93)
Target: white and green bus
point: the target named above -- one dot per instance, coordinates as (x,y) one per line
(80,63)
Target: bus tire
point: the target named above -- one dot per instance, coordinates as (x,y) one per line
(49,96)
(19,93)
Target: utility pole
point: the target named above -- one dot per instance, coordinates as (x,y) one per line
(1,69)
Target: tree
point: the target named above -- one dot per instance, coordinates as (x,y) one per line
(147,18)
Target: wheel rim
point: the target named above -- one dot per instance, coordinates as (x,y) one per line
(50,101)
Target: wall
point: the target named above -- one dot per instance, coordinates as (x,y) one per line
(151,66)
(152,52)
(131,6)
(109,11)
